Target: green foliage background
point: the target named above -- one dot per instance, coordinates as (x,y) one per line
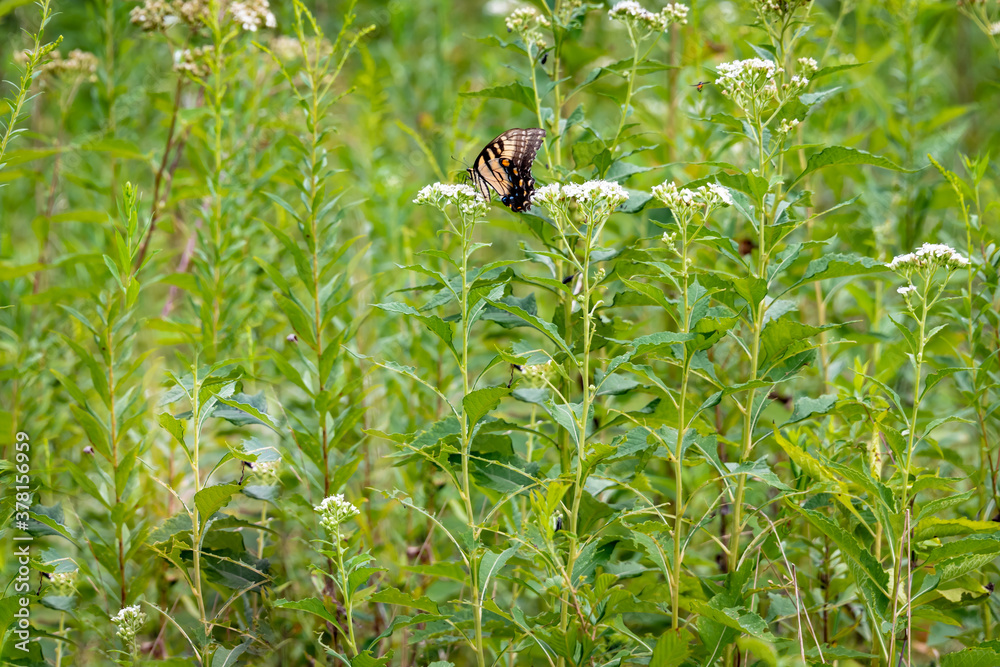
(219,305)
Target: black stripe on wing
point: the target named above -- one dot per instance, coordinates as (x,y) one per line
(505,165)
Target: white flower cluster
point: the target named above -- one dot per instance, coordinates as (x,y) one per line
(906,290)
(787,125)
(64,582)
(929,256)
(781,7)
(684,202)
(252,14)
(596,201)
(538,375)
(995,28)
(78,64)
(677,13)
(159,15)
(631,12)
(129,621)
(195,62)
(607,194)
(808,65)
(528,22)
(470,205)
(334,510)
(752,83)
(268,470)
(748,81)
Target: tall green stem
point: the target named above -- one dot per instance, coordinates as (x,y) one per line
(477,608)
(581,421)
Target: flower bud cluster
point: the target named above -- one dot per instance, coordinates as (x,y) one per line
(539,375)
(129,621)
(753,84)
(64,582)
(638,17)
(781,7)
(439,195)
(684,202)
(929,256)
(252,14)
(335,510)
(267,470)
(160,15)
(77,65)
(527,22)
(195,62)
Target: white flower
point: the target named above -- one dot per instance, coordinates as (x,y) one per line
(809,65)
(439,195)
(195,62)
(906,290)
(538,375)
(749,83)
(676,13)
(630,11)
(129,621)
(527,22)
(741,70)
(780,7)
(787,125)
(64,582)
(252,14)
(334,510)
(683,202)
(799,81)
(596,193)
(929,256)
(548,195)
(995,28)
(722,193)
(267,469)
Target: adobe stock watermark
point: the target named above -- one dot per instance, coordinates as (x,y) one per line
(22,540)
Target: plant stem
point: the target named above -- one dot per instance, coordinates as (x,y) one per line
(477,608)
(581,422)
(910,442)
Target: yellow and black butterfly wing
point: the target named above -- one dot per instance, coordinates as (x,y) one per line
(505,165)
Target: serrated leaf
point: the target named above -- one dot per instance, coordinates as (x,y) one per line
(843,156)
(478,403)
(211,499)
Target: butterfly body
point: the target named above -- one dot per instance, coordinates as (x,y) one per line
(505,166)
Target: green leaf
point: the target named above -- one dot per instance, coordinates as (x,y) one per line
(972,657)
(737,618)
(671,650)
(932,527)
(478,403)
(434,324)
(309,605)
(367,659)
(515,92)
(844,156)
(592,556)
(224,657)
(840,266)
(395,596)
(807,407)
(211,499)
(490,564)
(546,328)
